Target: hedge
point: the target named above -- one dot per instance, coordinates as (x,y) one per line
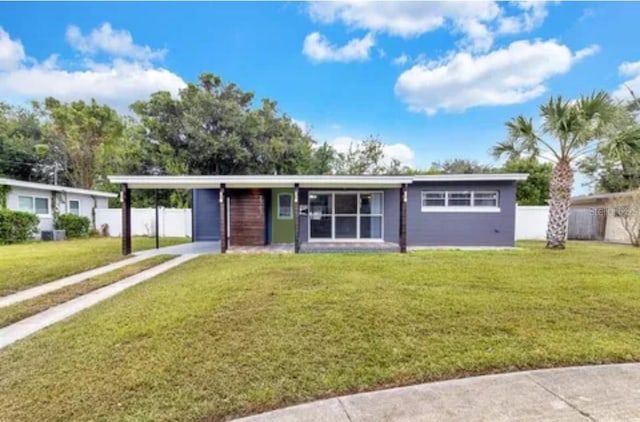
(17,226)
(73,225)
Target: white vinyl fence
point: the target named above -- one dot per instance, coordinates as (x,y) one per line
(173,222)
(531,222)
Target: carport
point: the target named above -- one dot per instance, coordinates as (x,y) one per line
(370,212)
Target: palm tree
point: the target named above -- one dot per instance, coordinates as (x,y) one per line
(570,132)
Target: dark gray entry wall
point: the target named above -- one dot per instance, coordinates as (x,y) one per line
(206,215)
(461,228)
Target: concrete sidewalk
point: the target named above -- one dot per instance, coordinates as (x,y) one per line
(68,281)
(28,326)
(589,393)
(190,248)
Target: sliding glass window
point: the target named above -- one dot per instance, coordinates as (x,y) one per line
(345,215)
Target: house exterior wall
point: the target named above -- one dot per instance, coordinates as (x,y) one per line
(206,214)
(614,231)
(461,228)
(87,203)
(391,217)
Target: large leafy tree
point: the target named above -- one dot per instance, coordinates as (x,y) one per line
(569,132)
(534,190)
(616,165)
(460,166)
(367,157)
(212,128)
(78,134)
(23,152)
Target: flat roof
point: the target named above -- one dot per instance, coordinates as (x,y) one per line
(305,181)
(593,198)
(55,188)
(470,177)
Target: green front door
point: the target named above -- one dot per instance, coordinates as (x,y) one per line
(282,223)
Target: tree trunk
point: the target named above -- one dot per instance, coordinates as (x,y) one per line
(560,192)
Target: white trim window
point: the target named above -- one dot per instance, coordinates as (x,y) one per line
(460,201)
(74,207)
(34,204)
(285,206)
(346,216)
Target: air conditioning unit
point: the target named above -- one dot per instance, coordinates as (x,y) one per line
(52,235)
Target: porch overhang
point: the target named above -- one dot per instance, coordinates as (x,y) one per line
(261,181)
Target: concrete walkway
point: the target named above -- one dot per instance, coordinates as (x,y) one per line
(28,326)
(590,393)
(182,249)
(67,281)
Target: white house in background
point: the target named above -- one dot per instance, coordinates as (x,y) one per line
(44,200)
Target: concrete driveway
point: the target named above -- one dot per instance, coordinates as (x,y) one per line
(185,249)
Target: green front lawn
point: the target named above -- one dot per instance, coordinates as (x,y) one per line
(29,264)
(230,335)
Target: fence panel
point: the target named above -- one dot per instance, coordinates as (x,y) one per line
(531,222)
(585,224)
(174,222)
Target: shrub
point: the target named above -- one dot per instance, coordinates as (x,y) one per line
(73,225)
(17,226)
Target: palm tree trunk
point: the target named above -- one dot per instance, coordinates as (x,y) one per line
(560,190)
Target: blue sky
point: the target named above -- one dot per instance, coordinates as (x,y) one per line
(433,80)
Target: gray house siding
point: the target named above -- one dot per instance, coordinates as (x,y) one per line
(391,229)
(461,228)
(206,214)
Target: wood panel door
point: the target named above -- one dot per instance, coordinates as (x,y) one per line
(247,217)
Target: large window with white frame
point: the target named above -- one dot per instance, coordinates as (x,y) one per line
(344,216)
(460,201)
(34,204)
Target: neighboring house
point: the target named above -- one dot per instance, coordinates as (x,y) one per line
(594,217)
(343,212)
(47,200)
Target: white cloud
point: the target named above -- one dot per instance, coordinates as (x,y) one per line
(586,52)
(398,151)
(401,60)
(304,126)
(628,70)
(477,21)
(117,43)
(118,82)
(511,75)
(318,48)
(11,52)
(532,16)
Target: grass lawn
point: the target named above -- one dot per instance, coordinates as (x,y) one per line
(22,310)
(230,335)
(29,264)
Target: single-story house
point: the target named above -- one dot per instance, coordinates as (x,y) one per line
(330,212)
(595,217)
(46,200)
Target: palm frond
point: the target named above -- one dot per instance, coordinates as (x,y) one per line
(506,148)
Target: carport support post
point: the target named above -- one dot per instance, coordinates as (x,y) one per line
(125,199)
(223,218)
(296,220)
(157,222)
(403,218)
